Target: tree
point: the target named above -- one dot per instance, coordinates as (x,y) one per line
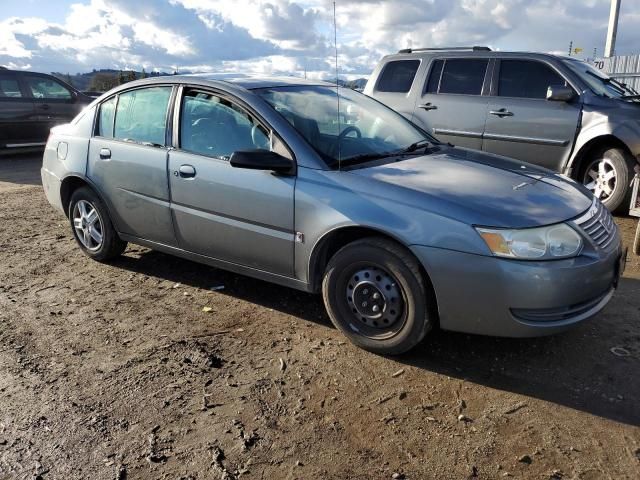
(121,78)
(103,81)
(144,73)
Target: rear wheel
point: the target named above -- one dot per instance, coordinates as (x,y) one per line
(607,174)
(92,227)
(375,295)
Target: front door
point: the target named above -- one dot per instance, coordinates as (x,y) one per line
(54,103)
(128,162)
(452,106)
(231,214)
(521,123)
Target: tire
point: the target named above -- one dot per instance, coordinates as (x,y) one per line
(353,277)
(611,188)
(92,227)
(636,241)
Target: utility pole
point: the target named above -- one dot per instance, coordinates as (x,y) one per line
(610,47)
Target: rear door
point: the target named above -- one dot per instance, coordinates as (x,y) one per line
(452,105)
(521,123)
(128,162)
(237,215)
(17,122)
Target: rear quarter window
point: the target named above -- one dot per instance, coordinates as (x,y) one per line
(397,76)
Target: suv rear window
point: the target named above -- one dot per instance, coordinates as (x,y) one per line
(463,76)
(397,76)
(526,79)
(9,87)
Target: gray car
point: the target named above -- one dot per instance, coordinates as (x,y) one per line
(283,180)
(557,112)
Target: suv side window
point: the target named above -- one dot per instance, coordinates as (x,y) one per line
(214,126)
(9,87)
(463,76)
(141,115)
(397,76)
(47,88)
(526,79)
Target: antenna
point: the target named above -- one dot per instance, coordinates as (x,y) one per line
(335,44)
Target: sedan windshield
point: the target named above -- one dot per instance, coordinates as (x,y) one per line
(345,129)
(598,82)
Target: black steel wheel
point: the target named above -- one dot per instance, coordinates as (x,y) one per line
(375,294)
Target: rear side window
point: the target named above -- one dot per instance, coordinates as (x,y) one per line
(104,124)
(434,77)
(463,76)
(526,79)
(9,87)
(47,88)
(141,115)
(397,76)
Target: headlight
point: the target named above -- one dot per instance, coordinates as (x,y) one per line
(555,241)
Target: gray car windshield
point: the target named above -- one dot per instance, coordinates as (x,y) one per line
(360,129)
(598,82)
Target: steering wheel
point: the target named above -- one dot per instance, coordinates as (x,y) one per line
(343,134)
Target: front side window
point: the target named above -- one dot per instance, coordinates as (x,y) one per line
(526,79)
(358,126)
(141,115)
(214,126)
(463,76)
(397,76)
(104,123)
(9,87)
(47,88)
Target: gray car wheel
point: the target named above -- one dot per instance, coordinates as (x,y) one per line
(92,227)
(607,174)
(376,296)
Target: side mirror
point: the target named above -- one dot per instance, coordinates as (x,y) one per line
(559,93)
(259,159)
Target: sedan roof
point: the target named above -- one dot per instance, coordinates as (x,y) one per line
(251,82)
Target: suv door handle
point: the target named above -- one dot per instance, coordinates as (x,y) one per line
(44,106)
(503,112)
(428,106)
(185,171)
(105,153)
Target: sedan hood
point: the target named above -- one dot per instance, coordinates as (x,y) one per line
(483,189)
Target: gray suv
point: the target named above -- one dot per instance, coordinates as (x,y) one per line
(557,112)
(277,179)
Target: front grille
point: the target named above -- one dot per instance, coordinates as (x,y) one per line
(598,224)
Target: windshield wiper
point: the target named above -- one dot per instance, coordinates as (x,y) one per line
(416,145)
(364,157)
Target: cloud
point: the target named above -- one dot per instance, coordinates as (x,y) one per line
(296,36)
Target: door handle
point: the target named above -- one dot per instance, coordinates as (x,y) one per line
(185,171)
(105,153)
(503,112)
(44,107)
(428,106)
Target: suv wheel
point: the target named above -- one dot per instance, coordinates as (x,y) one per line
(607,173)
(375,295)
(92,227)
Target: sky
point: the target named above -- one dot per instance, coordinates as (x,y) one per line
(290,37)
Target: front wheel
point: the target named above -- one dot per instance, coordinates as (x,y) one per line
(92,227)
(376,296)
(607,173)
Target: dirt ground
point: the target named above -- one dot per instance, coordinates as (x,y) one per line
(116,372)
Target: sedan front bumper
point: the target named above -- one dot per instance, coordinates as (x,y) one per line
(511,298)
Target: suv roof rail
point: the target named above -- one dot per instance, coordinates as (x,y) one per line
(475,48)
